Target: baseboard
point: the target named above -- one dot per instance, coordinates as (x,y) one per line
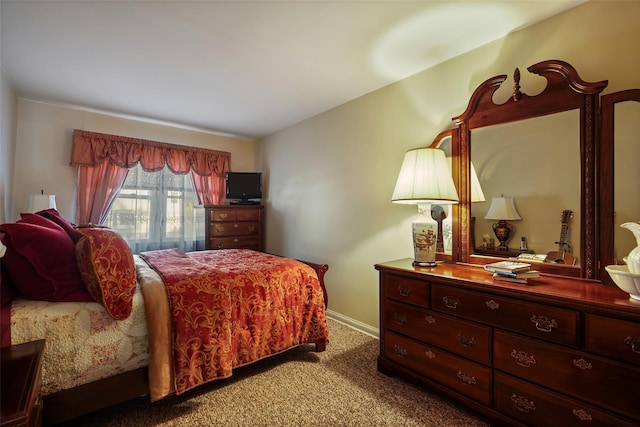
(354,324)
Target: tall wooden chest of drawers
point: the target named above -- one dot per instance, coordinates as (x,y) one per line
(234,226)
(558,351)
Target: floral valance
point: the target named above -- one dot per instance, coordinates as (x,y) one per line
(92,148)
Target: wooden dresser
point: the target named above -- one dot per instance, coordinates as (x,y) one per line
(229,227)
(20,378)
(558,351)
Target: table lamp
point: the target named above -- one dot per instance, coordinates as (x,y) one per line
(424,178)
(40,202)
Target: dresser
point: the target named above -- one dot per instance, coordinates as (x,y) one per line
(234,226)
(20,377)
(557,351)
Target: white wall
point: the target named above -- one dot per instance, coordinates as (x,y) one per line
(43,149)
(330,178)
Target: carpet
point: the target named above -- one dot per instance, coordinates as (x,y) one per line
(338,387)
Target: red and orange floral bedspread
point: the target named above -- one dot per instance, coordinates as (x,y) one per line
(233,307)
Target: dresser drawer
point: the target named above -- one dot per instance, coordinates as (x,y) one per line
(457,336)
(406,290)
(246,214)
(240,242)
(468,378)
(234,228)
(597,380)
(615,338)
(538,407)
(544,322)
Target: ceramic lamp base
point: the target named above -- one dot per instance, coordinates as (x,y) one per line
(424,264)
(425,236)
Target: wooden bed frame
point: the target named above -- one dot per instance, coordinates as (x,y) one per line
(68,404)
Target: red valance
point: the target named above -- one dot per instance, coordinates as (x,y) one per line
(92,148)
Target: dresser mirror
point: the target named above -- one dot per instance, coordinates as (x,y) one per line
(502,156)
(523,120)
(619,203)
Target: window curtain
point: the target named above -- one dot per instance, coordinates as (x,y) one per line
(103,161)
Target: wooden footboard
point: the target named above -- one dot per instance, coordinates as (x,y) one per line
(81,400)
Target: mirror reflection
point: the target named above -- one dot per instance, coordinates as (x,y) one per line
(507,160)
(626,174)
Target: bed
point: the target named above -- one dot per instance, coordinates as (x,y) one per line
(157,324)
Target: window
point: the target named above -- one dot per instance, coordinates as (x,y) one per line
(158,210)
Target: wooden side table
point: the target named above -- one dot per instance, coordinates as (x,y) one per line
(20,375)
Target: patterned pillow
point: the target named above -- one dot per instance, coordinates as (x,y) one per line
(106,264)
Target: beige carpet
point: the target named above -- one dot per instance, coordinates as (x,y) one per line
(339,387)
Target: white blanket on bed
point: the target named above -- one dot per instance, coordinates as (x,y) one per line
(83,343)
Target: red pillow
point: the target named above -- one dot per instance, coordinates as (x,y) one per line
(41,261)
(107,267)
(54,216)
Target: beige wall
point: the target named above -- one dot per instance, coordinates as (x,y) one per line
(43,148)
(330,178)
(8,107)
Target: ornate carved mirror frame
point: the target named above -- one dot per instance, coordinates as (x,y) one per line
(565,91)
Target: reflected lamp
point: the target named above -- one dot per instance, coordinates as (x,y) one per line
(502,209)
(425,178)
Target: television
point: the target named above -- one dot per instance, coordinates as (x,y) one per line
(243,188)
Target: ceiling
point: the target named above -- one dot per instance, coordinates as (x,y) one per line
(244,68)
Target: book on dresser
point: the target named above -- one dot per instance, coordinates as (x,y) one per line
(516,277)
(507,267)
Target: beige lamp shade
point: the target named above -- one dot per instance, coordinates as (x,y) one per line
(425,177)
(477,195)
(502,208)
(40,202)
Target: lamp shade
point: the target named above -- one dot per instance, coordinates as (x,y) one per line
(502,208)
(425,177)
(477,195)
(40,202)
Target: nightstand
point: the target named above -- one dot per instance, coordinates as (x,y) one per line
(20,375)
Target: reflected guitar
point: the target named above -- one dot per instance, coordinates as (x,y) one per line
(561,256)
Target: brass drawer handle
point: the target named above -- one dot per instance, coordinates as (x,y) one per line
(223,215)
(236,225)
(399,318)
(430,319)
(430,354)
(634,342)
(404,290)
(251,228)
(523,404)
(582,364)
(543,323)
(466,378)
(492,304)
(466,341)
(451,302)
(400,350)
(582,415)
(523,359)
(220,245)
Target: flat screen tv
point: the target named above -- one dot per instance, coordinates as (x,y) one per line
(244,188)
